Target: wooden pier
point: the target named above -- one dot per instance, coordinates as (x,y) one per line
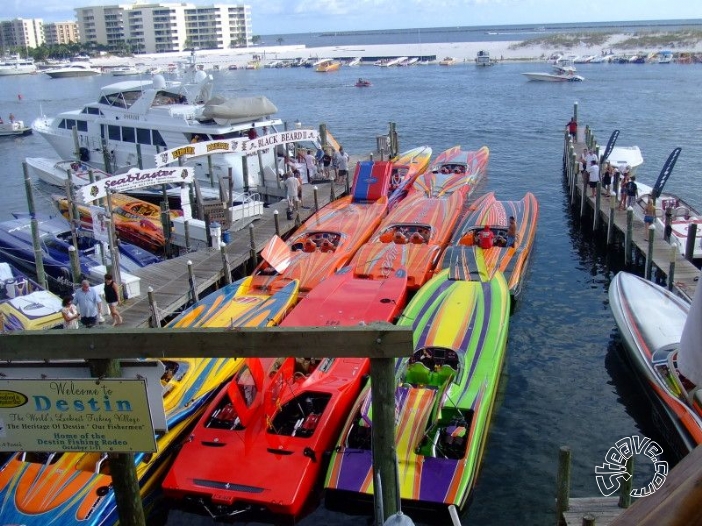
(623,226)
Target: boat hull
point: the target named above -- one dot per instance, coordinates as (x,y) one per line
(472,319)
(650,320)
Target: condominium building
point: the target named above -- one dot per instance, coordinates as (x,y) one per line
(22,33)
(56,33)
(160,28)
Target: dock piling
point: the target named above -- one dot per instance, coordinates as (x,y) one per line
(155,318)
(226,268)
(671,267)
(252,248)
(625,495)
(316,199)
(276,220)
(649,252)
(562,482)
(191,282)
(690,245)
(610,223)
(628,236)
(588,519)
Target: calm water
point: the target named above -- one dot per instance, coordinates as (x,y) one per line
(564,382)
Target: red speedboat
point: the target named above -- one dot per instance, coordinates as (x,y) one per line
(261,443)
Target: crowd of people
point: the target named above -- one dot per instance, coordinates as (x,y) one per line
(84,307)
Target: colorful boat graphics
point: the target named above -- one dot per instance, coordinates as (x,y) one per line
(467,261)
(652,322)
(321,246)
(136,221)
(405,170)
(444,398)
(75,488)
(454,170)
(24,304)
(412,236)
(371,180)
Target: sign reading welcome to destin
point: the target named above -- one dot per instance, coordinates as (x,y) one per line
(110,415)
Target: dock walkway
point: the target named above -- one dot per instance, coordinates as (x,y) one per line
(603,208)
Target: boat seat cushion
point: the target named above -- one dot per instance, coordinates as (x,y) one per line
(417,374)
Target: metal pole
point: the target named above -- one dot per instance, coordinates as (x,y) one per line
(191,282)
(140,161)
(252,247)
(668,223)
(316,200)
(186,228)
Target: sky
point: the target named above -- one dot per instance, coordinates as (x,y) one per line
(305,16)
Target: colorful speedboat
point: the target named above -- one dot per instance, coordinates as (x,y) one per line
(136,221)
(328,239)
(261,443)
(405,170)
(443,401)
(661,337)
(454,170)
(412,236)
(467,261)
(24,304)
(75,488)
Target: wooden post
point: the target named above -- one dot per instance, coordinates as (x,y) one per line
(252,247)
(625,494)
(574,181)
(649,252)
(114,248)
(583,198)
(383,436)
(610,226)
(140,161)
(186,232)
(276,220)
(316,200)
(226,269)
(671,269)
(628,236)
(690,245)
(588,519)
(155,317)
(76,143)
(38,254)
(562,482)
(348,182)
(71,213)
(230,187)
(191,282)
(245,173)
(298,221)
(332,194)
(75,264)
(166,226)
(575,110)
(210,171)
(125,482)
(106,154)
(598,206)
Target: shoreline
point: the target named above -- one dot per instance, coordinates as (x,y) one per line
(463,52)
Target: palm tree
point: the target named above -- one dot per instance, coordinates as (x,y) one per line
(255,39)
(280,41)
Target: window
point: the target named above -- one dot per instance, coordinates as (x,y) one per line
(143,136)
(128,135)
(113,133)
(157,139)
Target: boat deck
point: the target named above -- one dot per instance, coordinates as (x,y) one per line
(170,280)
(685,275)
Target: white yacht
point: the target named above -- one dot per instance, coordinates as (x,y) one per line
(74,69)
(15,65)
(147,117)
(483,58)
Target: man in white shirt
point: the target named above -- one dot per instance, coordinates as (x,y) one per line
(593,176)
(341,161)
(311,165)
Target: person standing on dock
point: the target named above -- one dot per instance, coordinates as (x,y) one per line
(593,177)
(292,185)
(112,299)
(88,303)
(341,159)
(573,128)
(311,165)
(632,192)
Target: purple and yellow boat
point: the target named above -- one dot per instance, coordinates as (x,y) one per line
(443,401)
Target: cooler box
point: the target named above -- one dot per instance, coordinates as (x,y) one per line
(131,285)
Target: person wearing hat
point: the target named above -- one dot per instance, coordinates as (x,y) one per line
(486,237)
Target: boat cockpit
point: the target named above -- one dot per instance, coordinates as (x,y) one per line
(317,242)
(401,234)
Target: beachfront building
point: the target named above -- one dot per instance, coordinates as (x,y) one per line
(60,33)
(167,27)
(21,33)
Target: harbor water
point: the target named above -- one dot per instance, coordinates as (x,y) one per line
(565,381)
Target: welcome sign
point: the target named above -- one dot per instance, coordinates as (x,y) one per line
(241,146)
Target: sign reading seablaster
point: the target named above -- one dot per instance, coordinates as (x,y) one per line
(110,415)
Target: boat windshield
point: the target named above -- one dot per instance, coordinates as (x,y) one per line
(120,99)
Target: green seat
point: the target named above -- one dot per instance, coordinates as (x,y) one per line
(417,374)
(443,375)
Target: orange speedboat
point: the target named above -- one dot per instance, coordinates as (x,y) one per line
(136,221)
(405,170)
(453,170)
(328,240)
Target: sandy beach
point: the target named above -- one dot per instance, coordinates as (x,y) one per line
(463,52)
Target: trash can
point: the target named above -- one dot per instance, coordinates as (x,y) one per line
(226,237)
(215,234)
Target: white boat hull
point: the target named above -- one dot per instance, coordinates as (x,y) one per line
(553,77)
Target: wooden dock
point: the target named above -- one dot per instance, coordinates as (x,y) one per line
(169,280)
(605,215)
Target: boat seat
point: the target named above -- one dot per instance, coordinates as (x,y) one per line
(442,376)
(386,237)
(309,246)
(327,246)
(417,238)
(682,211)
(417,374)
(399,238)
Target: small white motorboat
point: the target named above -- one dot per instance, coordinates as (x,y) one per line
(560,73)
(14,128)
